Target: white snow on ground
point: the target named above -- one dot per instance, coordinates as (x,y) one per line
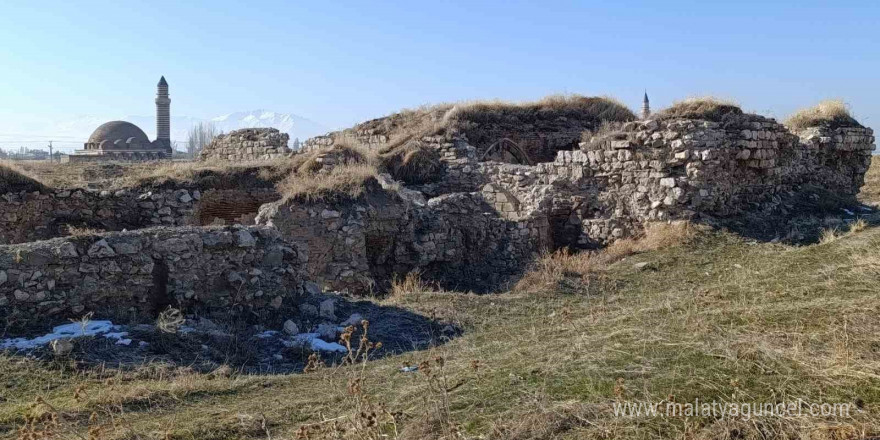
(315,343)
(69,331)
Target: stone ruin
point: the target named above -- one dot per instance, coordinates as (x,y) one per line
(245,272)
(479,223)
(247,144)
(476,225)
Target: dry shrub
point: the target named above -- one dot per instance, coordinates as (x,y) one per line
(828,236)
(832,113)
(858,226)
(14,179)
(170,320)
(706,107)
(345,181)
(411,283)
(412,163)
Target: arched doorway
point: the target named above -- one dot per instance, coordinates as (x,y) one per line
(507,151)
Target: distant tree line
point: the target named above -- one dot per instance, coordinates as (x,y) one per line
(199,136)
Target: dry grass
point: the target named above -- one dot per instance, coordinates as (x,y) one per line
(411,125)
(206,175)
(831,113)
(829,235)
(551,268)
(718,319)
(410,284)
(870,193)
(412,163)
(594,108)
(706,107)
(344,151)
(14,179)
(345,181)
(858,226)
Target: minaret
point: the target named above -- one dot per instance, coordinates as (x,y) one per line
(646,107)
(163,115)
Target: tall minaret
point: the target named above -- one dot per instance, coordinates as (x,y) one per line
(646,107)
(163,115)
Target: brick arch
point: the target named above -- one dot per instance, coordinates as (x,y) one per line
(509,146)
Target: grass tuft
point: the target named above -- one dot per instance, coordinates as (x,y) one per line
(832,113)
(829,235)
(858,226)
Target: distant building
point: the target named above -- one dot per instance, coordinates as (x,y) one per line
(120,140)
(646,107)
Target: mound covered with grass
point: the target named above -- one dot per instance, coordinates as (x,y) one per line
(13,179)
(829,113)
(705,108)
(482,121)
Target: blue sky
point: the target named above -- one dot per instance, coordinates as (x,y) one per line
(341,62)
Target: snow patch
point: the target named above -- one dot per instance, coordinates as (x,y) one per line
(69,331)
(313,341)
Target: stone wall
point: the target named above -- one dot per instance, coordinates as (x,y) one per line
(485,220)
(34,216)
(457,240)
(497,135)
(247,144)
(31,216)
(246,273)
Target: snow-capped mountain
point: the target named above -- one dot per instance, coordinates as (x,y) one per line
(70,134)
(295,126)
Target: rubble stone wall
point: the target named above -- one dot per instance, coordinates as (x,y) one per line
(229,272)
(247,144)
(661,170)
(486,217)
(456,240)
(35,216)
(42,215)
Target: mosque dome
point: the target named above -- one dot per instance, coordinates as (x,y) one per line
(124,132)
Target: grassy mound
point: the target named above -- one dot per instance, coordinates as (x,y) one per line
(13,179)
(706,108)
(413,124)
(342,182)
(829,113)
(594,109)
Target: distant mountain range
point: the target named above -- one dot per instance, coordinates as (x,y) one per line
(68,135)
